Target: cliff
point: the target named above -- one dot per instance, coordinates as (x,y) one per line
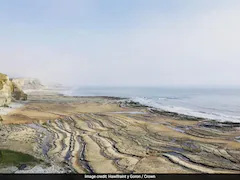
(9,91)
(17,93)
(6,89)
(28,83)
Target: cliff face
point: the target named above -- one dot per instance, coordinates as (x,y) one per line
(28,84)
(6,89)
(17,93)
(9,90)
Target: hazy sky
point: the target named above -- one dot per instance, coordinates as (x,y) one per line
(122,42)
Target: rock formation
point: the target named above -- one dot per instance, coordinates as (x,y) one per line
(6,89)
(17,93)
(97,135)
(9,90)
(28,83)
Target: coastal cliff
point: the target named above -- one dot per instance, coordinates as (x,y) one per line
(9,91)
(17,93)
(6,89)
(28,83)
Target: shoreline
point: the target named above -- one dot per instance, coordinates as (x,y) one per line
(190,113)
(159,110)
(56,92)
(128,102)
(82,133)
(11,108)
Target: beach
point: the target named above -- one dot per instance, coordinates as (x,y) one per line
(116,135)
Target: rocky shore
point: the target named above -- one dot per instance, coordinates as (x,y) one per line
(115,135)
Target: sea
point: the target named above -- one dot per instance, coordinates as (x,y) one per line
(221,104)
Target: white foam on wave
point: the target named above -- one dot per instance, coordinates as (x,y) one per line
(167,98)
(66,92)
(70,91)
(189,112)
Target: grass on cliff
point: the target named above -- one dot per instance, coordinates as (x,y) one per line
(8,158)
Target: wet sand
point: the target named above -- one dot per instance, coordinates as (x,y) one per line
(112,135)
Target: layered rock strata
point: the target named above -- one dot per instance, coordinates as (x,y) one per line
(103,135)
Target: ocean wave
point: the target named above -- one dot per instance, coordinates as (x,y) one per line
(67,93)
(186,111)
(167,98)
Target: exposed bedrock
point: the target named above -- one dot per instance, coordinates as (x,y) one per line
(6,89)
(9,91)
(88,141)
(97,135)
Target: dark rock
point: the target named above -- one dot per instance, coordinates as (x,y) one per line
(219,125)
(18,94)
(175,115)
(22,166)
(133,104)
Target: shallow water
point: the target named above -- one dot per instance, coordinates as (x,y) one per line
(12,106)
(212,103)
(46,143)
(237,139)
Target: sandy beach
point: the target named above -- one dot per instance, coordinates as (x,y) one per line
(81,134)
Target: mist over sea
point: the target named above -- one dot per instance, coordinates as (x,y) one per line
(222,104)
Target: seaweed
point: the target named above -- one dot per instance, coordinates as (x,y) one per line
(8,157)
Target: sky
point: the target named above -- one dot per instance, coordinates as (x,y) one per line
(122,42)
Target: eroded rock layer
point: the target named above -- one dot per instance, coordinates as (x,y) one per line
(5,90)
(9,91)
(104,135)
